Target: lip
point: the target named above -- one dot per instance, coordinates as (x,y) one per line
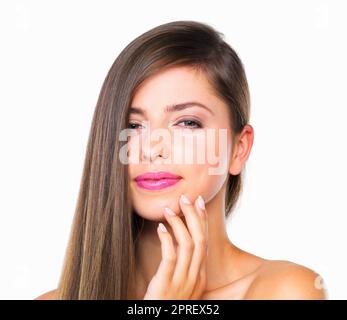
(157,180)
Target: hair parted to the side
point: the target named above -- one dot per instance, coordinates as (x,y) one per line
(100,256)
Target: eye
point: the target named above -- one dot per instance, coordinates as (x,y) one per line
(133,125)
(192,123)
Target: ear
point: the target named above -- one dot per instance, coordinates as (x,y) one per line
(241,149)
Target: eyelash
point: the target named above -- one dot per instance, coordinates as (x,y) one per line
(198,125)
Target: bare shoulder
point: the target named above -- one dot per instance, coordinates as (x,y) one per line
(286,280)
(50,295)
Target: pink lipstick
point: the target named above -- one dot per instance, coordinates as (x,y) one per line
(157,180)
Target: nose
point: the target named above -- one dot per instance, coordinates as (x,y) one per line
(150,150)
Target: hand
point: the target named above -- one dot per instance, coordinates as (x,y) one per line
(182,275)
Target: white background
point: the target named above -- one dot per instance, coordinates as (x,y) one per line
(54,58)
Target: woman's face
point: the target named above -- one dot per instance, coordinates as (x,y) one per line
(187,142)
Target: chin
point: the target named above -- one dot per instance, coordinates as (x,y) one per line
(156,215)
(151,207)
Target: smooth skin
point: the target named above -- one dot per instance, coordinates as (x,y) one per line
(168,261)
(182,272)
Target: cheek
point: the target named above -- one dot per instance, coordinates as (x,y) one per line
(133,149)
(208,178)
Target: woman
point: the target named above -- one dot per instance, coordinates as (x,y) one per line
(148,223)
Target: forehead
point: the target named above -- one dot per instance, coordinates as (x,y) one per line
(174,85)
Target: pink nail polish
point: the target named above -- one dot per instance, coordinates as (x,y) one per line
(169,211)
(201,203)
(184,199)
(162,227)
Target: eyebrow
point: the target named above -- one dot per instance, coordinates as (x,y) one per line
(172,108)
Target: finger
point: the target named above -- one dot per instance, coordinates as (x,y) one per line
(168,261)
(200,207)
(200,285)
(199,254)
(185,245)
(203,274)
(195,229)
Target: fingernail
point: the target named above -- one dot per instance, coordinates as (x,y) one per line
(184,199)
(162,227)
(169,211)
(201,203)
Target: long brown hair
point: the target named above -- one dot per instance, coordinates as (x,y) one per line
(100,256)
